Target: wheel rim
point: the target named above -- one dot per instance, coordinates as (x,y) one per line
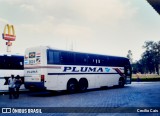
(83,88)
(82,85)
(72,87)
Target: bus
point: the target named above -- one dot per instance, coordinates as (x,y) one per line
(10,64)
(53,69)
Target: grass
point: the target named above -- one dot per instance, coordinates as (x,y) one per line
(146,77)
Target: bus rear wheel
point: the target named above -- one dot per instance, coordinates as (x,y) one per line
(83,85)
(121,82)
(72,86)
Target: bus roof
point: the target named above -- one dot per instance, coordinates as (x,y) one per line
(11,55)
(51,48)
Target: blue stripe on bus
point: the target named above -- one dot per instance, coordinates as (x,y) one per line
(77,73)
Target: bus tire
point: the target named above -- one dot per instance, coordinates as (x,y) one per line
(121,82)
(83,85)
(72,86)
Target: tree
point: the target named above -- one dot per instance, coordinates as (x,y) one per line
(150,61)
(151,56)
(130,56)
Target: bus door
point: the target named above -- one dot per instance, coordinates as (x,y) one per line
(128,74)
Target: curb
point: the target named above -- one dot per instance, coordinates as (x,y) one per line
(2,92)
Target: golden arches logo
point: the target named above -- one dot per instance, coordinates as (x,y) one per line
(9,33)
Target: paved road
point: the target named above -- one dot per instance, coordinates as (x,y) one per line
(138,94)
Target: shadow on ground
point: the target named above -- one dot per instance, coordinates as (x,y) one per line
(59,93)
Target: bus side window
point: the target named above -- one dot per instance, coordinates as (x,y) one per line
(67,58)
(81,59)
(92,60)
(1,62)
(7,62)
(102,61)
(53,57)
(17,62)
(56,57)
(70,58)
(63,57)
(49,57)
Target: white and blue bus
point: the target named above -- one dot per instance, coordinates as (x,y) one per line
(52,69)
(10,64)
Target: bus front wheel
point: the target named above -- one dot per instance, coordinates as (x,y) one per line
(121,82)
(72,86)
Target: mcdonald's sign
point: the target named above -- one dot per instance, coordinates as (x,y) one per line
(9,43)
(9,33)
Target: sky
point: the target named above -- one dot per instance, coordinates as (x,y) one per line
(110,27)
